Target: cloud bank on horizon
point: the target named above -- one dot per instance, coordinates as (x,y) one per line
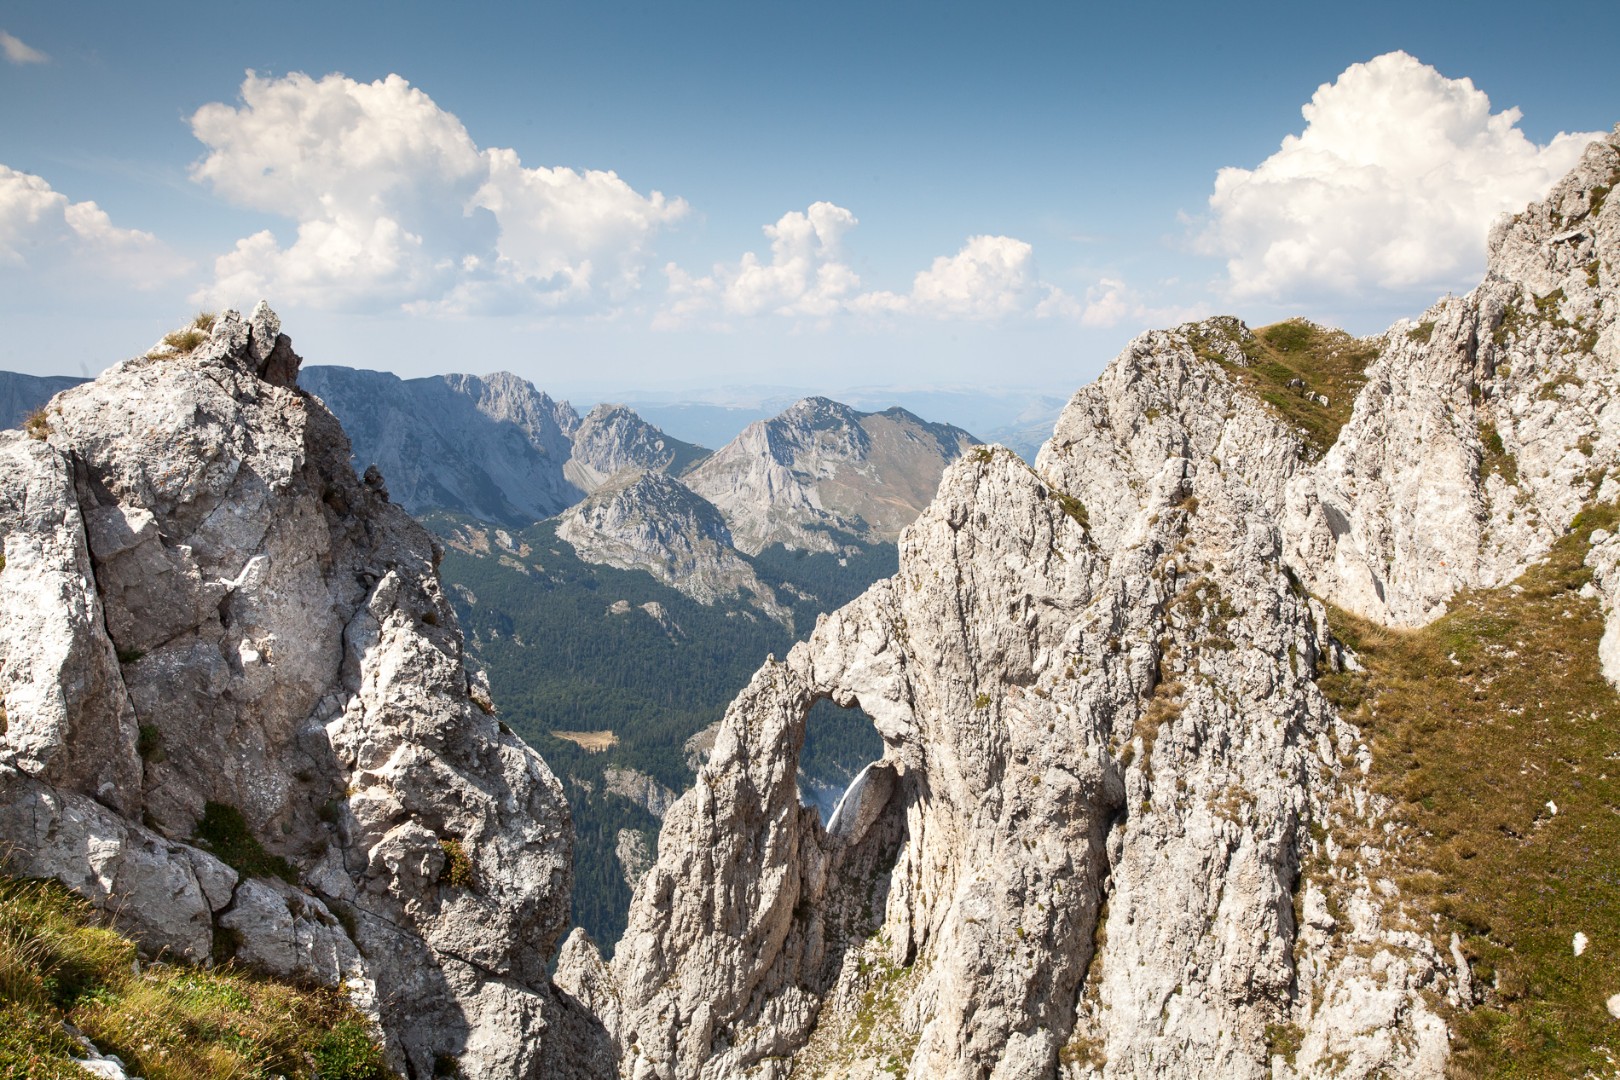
(43,234)
(381,201)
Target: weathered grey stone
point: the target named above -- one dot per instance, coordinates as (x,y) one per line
(822,469)
(202,605)
(1095,685)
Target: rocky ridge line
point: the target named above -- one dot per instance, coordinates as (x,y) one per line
(1107,760)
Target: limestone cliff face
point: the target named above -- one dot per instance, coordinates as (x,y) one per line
(208,625)
(821,469)
(648,521)
(1484,426)
(492,446)
(1106,757)
(612,439)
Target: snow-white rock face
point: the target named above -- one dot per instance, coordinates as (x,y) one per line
(1106,757)
(493,447)
(612,439)
(206,619)
(649,521)
(822,475)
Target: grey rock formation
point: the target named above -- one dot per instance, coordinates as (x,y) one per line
(493,447)
(1106,757)
(612,439)
(640,789)
(1483,427)
(648,521)
(634,855)
(821,475)
(206,617)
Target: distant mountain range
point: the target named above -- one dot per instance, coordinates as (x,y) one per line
(22,394)
(821,476)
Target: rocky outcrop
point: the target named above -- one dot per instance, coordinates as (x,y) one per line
(639,788)
(822,475)
(1483,427)
(612,439)
(1107,762)
(492,447)
(651,522)
(238,714)
(634,855)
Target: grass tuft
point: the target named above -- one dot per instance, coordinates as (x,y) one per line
(1479,725)
(1292,366)
(458,870)
(224,831)
(185,340)
(167,1022)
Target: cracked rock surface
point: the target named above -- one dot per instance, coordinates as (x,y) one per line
(1107,761)
(205,615)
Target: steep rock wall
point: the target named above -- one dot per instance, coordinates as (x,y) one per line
(1106,756)
(208,623)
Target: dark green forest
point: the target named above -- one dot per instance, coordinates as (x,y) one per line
(559,660)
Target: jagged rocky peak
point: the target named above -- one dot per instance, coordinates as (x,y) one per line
(238,712)
(1108,765)
(1484,426)
(493,446)
(650,521)
(613,438)
(822,475)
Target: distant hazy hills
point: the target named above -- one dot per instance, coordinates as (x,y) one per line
(22,394)
(821,476)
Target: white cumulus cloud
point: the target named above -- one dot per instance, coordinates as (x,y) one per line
(1390,188)
(395,205)
(42,232)
(990,277)
(806,274)
(20,52)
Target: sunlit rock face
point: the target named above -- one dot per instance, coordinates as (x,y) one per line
(822,475)
(1106,757)
(208,622)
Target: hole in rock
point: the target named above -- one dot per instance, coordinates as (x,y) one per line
(838,744)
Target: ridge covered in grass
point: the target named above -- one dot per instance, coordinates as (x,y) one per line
(1309,374)
(1497,740)
(166,1021)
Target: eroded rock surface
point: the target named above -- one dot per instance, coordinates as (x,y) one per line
(822,474)
(1106,757)
(208,621)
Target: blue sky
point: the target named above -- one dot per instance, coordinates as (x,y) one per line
(982,195)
